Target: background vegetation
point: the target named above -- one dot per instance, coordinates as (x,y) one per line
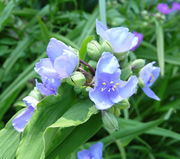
(25,29)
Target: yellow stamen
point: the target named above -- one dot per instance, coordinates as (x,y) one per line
(52,89)
(117,84)
(113,89)
(111,82)
(102,89)
(104,83)
(152,78)
(114,86)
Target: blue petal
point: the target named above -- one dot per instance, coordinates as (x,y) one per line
(128,88)
(101,99)
(150,93)
(56,48)
(107,64)
(45,68)
(45,91)
(30,101)
(96,150)
(155,72)
(146,71)
(20,121)
(84,154)
(65,64)
(101,30)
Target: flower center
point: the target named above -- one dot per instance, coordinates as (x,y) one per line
(109,86)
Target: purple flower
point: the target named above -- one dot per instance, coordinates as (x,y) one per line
(120,38)
(95,152)
(60,63)
(20,121)
(140,38)
(163,8)
(109,89)
(148,75)
(175,6)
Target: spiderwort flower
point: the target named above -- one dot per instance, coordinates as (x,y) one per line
(120,38)
(109,89)
(163,8)
(148,75)
(60,63)
(95,152)
(20,121)
(140,38)
(175,6)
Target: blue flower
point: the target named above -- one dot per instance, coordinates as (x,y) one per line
(95,152)
(148,75)
(120,38)
(109,89)
(140,38)
(60,63)
(20,121)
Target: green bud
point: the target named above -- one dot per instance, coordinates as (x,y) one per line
(78,78)
(110,122)
(94,50)
(92,63)
(106,47)
(77,89)
(36,94)
(121,56)
(117,111)
(126,73)
(124,104)
(141,83)
(137,64)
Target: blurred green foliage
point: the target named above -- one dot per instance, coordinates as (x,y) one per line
(26,27)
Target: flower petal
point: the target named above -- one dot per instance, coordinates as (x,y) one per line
(155,73)
(96,150)
(150,93)
(55,48)
(65,64)
(20,121)
(128,88)
(84,154)
(140,38)
(45,68)
(45,91)
(163,8)
(30,101)
(107,64)
(101,99)
(101,30)
(175,6)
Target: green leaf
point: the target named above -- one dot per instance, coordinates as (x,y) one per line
(10,139)
(160,46)
(52,112)
(78,137)
(83,49)
(102,10)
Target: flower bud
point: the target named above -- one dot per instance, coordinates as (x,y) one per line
(77,89)
(92,63)
(109,120)
(141,83)
(106,47)
(126,73)
(137,64)
(78,78)
(124,104)
(35,94)
(117,111)
(94,50)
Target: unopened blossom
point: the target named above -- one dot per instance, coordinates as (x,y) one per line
(60,63)
(20,121)
(163,8)
(109,89)
(95,152)
(120,38)
(140,38)
(175,6)
(148,75)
